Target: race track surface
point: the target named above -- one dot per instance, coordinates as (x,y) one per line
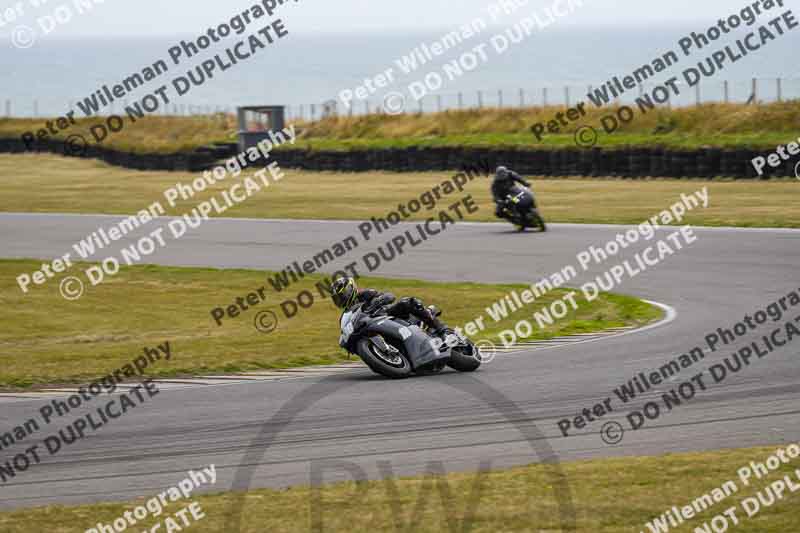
(506,413)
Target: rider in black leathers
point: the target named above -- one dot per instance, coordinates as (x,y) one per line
(345,294)
(503,185)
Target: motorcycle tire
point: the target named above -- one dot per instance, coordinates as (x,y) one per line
(464,362)
(382,363)
(538,221)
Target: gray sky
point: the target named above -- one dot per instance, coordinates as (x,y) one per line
(160,17)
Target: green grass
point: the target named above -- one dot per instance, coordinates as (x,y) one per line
(523,141)
(47,183)
(609,496)
(719,125)
(152,134)
(46,339)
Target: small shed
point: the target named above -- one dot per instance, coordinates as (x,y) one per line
(256,123)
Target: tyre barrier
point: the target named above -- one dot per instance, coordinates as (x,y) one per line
(594,162)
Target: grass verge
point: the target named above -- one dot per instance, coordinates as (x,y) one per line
(44,183)
(46,339)
(609,495)
(717,125)
(709,125)
(151,134)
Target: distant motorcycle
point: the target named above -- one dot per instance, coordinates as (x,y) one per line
(519,208)
(396,348)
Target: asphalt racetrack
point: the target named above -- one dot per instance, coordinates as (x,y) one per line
(505,414)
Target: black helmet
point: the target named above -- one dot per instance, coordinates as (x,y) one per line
(502,172)
(344,292)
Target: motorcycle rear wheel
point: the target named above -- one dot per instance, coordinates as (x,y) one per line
(464,362)
(536,220)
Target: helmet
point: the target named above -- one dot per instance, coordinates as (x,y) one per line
(344,292)
(502,172)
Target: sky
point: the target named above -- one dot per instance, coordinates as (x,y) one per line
(171,17)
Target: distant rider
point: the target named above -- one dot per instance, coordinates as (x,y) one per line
(345,295)
(503,185)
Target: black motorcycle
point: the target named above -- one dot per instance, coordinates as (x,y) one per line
(397,348)
(519,208)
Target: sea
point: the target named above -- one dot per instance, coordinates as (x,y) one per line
(555,66)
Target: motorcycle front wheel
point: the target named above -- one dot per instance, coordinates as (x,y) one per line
(388,364)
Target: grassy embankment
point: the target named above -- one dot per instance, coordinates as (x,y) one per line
(46,183)
(719,125)
(46,339)
(151,134)
(609,496)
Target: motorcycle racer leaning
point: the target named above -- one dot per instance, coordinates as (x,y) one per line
(346,294)
(503,185)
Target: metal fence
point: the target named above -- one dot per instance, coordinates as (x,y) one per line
(757,90)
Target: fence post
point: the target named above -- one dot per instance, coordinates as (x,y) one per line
(697,93)
(313,112)
(780,90)
(480,99)
(544,96)
(8,107)
(727,91)
(566,95)
(522,97)
(500,98)
(420,104)
(439,103)
(755,91)
(36,108)
(460,101)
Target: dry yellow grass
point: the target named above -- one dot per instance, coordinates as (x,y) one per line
(44,183)
(607,496)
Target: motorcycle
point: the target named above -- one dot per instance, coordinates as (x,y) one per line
(397,348)
(519,208)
